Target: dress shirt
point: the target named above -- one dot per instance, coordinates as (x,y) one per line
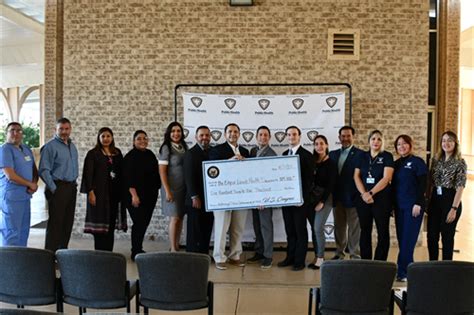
(59,161)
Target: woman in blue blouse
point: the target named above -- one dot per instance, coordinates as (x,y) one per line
(409,185)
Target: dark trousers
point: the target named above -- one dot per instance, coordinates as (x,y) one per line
(437,213)
(141,217)
(296,234)
(199,230)
(61,208)
(380,212)
(105,241)
(408,229)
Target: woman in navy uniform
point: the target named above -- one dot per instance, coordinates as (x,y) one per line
(409,185)
(372,176)
(448,178)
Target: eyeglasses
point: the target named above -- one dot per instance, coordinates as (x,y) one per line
(15,130)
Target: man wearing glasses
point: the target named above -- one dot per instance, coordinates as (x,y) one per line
(18,181)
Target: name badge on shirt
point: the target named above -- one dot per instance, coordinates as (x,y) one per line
(27,158)
(439,190)
(370,180)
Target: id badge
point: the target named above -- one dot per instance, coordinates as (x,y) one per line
(370,180)
(27,158)
(439,190)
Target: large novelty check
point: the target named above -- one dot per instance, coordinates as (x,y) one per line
(253,182)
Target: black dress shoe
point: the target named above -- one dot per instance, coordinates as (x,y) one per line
(298,267)
(285,263)
(313,266)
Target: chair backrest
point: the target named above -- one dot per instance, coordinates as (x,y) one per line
(440,287)
(356,286)
(27,276)
(91,277)
(174,278)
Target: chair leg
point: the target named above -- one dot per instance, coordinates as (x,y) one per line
(80,310)
(318,299)
(210,297)
(59,296)
(145,310)
(127,295)
(392,303)
(310,301)
(137,298)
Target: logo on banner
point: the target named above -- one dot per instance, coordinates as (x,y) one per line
(331,101)
(298,103)
(197,101)
(213,172)
(312,134)
(186,133)
(230,103)
(247,135)
(280,136)
(328,229)
(216,135)
(263,103)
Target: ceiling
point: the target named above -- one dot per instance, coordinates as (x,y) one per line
(21,42)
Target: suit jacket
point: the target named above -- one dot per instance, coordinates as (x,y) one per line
(345,190)
(224,151)
(267,151)
(193,159)
(307,170)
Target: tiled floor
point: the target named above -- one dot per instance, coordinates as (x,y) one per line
(250,290)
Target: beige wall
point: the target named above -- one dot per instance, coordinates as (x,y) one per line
(122,59)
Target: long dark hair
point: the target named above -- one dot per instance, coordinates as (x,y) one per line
(167,140)
(99,146)
(441,155)
(316,154)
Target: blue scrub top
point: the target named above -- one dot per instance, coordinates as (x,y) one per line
(373,166)
(21,161)
(407,170)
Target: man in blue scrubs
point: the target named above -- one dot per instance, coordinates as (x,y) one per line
(18,181)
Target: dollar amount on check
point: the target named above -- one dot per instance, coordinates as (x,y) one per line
(251,183)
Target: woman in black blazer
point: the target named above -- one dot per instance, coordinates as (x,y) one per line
(101,181)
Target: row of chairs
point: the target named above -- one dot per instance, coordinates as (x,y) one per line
(365,287)
(98,280)
(179,281)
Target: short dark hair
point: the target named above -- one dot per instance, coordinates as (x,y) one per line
(405,138)
(264,128)
(347,128)
(293,127)
(63,120)
(229,125)
(202,127)
(13,123)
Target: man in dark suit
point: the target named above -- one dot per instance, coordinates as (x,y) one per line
(263,217)
(346,221)
(229,220)
(293,216)
(199,223)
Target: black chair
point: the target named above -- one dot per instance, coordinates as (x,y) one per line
(354,287)
(22,311)
(439,287)
(94,279)
(28,277)
(174,281)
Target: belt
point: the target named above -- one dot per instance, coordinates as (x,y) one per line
(63,182)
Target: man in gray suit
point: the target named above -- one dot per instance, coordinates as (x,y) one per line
(262,217)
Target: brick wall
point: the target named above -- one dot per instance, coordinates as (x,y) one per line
(122,59)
